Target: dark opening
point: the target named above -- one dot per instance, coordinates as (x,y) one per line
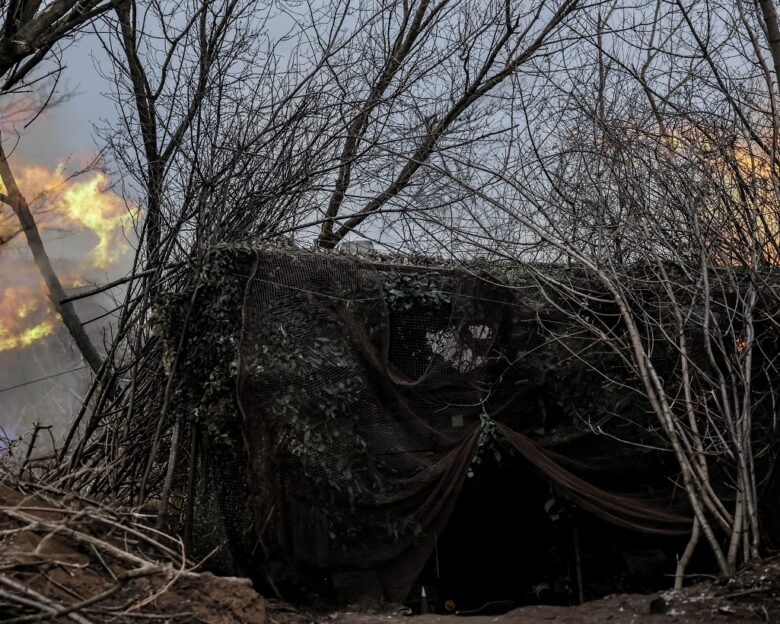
(513,541)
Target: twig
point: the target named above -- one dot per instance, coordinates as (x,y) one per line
(746,592)
(121,581)
(31,446)
(78,536)
(114,283)
(42,603)
(104,564)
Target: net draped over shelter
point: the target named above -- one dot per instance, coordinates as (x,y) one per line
(366,388)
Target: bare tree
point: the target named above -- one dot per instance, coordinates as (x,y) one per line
(625,141)
(653,168)
(32,30)
(32,37)
(230,133)
(487,51)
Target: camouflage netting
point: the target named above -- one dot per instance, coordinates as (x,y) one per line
(366,388)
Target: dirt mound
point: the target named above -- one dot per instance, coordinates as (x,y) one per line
(753,595)
(78,561)
(67,559)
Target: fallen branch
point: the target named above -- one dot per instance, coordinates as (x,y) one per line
(121,581)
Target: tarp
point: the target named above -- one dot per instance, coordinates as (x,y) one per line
(366,389)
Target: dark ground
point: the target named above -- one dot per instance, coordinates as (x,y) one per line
(752,596)
(45,564)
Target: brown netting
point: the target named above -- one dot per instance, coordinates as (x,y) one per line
(364,389)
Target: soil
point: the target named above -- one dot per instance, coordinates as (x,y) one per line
(50,567)
(753,595)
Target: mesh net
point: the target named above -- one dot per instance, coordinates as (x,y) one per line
(364,389)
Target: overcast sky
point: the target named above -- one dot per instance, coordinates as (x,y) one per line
(67,128)
(61,132)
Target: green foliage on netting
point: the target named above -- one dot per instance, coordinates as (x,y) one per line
(207,369)
(406,291)
(209,314)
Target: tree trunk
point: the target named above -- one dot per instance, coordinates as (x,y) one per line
(769,13)
(56,293)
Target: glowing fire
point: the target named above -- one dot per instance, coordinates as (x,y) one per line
(25,316)
(80,205)
(749,216)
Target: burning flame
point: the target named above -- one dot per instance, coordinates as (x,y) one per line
(742,172)
(100,212)
(81,204)
(25,316)
(60,203)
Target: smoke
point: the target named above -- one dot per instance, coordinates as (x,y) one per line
(87,230)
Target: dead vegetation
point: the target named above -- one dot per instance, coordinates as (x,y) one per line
(674,166)
(66,558)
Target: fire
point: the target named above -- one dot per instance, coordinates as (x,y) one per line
(83,204)
(25,316)
(749,213)
(101,212)
(80,204)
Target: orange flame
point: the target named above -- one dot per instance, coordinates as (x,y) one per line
(83,204)
(24,317)
(743,173)
(80,205)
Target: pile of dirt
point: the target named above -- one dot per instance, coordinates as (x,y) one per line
(72,560)
(66,559)
(753,595)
